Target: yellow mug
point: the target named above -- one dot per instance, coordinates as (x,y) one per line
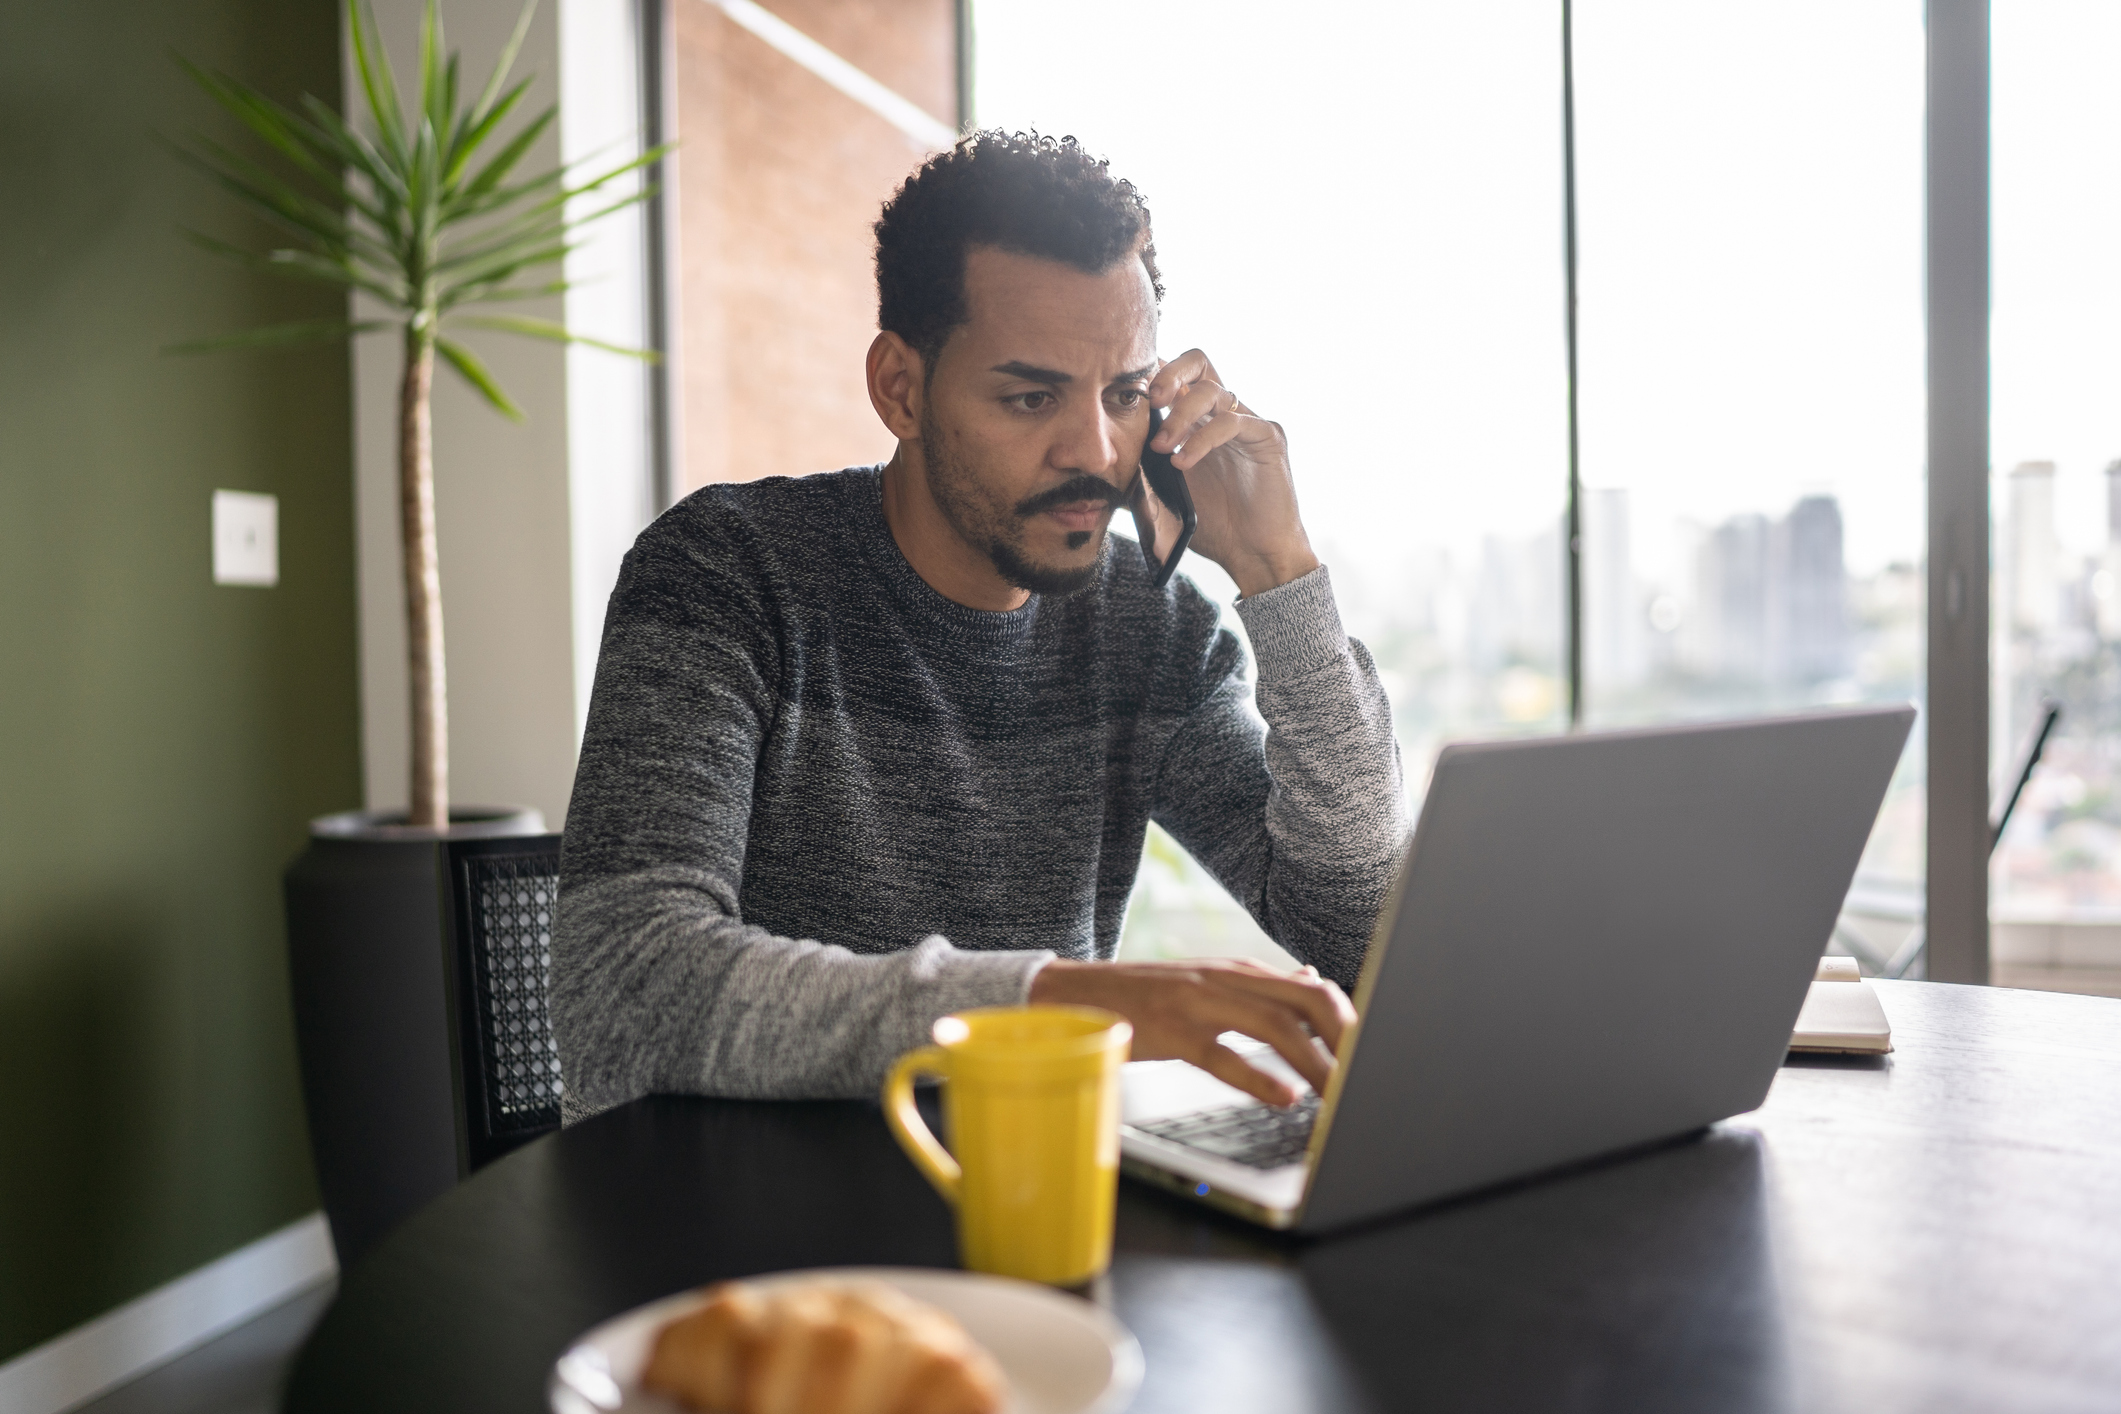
(1031,1104)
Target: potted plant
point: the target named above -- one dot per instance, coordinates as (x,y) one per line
(419,209)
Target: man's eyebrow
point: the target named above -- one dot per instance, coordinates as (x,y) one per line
(1031,372)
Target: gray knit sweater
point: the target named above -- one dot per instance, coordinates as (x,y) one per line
(819,805)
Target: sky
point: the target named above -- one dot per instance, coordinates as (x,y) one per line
(2056,337)
(1358,210)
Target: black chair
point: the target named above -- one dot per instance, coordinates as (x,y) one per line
(503,893)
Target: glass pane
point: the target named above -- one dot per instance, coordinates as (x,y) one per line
(2055,438)
(1358,214)
(1751,337)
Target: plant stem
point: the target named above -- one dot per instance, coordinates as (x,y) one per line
(428,677)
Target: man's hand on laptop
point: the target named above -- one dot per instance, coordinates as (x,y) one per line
(1178,1009)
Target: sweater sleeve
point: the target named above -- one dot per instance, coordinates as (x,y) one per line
(1301,816)
(657,983)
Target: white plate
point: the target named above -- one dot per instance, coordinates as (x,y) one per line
(1060,1354)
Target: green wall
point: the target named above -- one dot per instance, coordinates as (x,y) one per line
(162,740)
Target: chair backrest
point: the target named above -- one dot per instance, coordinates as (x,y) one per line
(503,894)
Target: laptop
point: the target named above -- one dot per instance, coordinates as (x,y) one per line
(1596,942)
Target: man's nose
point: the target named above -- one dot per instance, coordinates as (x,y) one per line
(1089,440)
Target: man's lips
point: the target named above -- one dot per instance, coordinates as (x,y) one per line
(1081,515)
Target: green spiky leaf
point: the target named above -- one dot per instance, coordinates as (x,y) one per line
(503,162)
(303,265)
(558,333)
(466,363)
(415,206)
(431,65)
(506,62)
(477,129)
(378,84)
(503,293)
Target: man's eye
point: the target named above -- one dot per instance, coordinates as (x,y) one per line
(1029,402)
(1129,397)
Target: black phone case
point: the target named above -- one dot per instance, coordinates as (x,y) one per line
(1169,484)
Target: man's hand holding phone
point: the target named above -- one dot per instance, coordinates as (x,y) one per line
(1236,467)
(1179,1009)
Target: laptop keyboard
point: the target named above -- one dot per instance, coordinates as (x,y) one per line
(1257,1136)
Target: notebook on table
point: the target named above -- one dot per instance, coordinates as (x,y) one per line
(1841,1014)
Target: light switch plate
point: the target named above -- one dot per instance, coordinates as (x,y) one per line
(246,538)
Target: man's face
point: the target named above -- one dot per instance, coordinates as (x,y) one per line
(1033,423)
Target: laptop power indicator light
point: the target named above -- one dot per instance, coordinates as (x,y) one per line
(1200,1190)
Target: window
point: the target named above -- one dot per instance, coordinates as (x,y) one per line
(1751,374)
(1358,211)
(1388,275)
(2056,456)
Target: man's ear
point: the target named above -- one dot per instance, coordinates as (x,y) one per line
(897,382)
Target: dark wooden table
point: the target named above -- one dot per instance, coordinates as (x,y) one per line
(1933,1231)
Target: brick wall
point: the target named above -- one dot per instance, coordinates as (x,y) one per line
(778,178)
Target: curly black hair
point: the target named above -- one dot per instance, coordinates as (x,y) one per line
(1020,192)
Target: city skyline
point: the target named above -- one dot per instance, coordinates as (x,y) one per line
(2057,635)
(1760,599)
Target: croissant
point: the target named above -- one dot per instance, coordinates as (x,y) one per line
(824,1347)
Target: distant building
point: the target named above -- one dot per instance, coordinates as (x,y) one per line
(1770,598)
(2033,575)
(2106,576)
(1731,597)
(1612,609)
(1809,596)
(1515,615)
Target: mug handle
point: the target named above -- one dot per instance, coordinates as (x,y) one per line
(930,1157)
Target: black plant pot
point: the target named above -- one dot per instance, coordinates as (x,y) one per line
(366,958)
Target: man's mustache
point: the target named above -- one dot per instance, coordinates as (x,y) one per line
(1071,493)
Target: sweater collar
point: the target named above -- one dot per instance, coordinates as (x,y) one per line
(880,548)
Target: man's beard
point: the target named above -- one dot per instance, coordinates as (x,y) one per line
(999,534)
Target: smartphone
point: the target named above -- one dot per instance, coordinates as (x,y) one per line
(1168,485)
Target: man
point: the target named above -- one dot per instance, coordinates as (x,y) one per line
(870,747)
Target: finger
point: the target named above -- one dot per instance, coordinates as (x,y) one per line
(1226,427)
(1323,1006)
(1189,367)
(1231,1069)
(1283,1028)
(1188,412)
(1192,409)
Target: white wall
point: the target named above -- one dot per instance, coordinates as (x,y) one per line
(532,517)
(611,484)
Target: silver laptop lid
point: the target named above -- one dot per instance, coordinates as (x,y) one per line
(1597,941)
